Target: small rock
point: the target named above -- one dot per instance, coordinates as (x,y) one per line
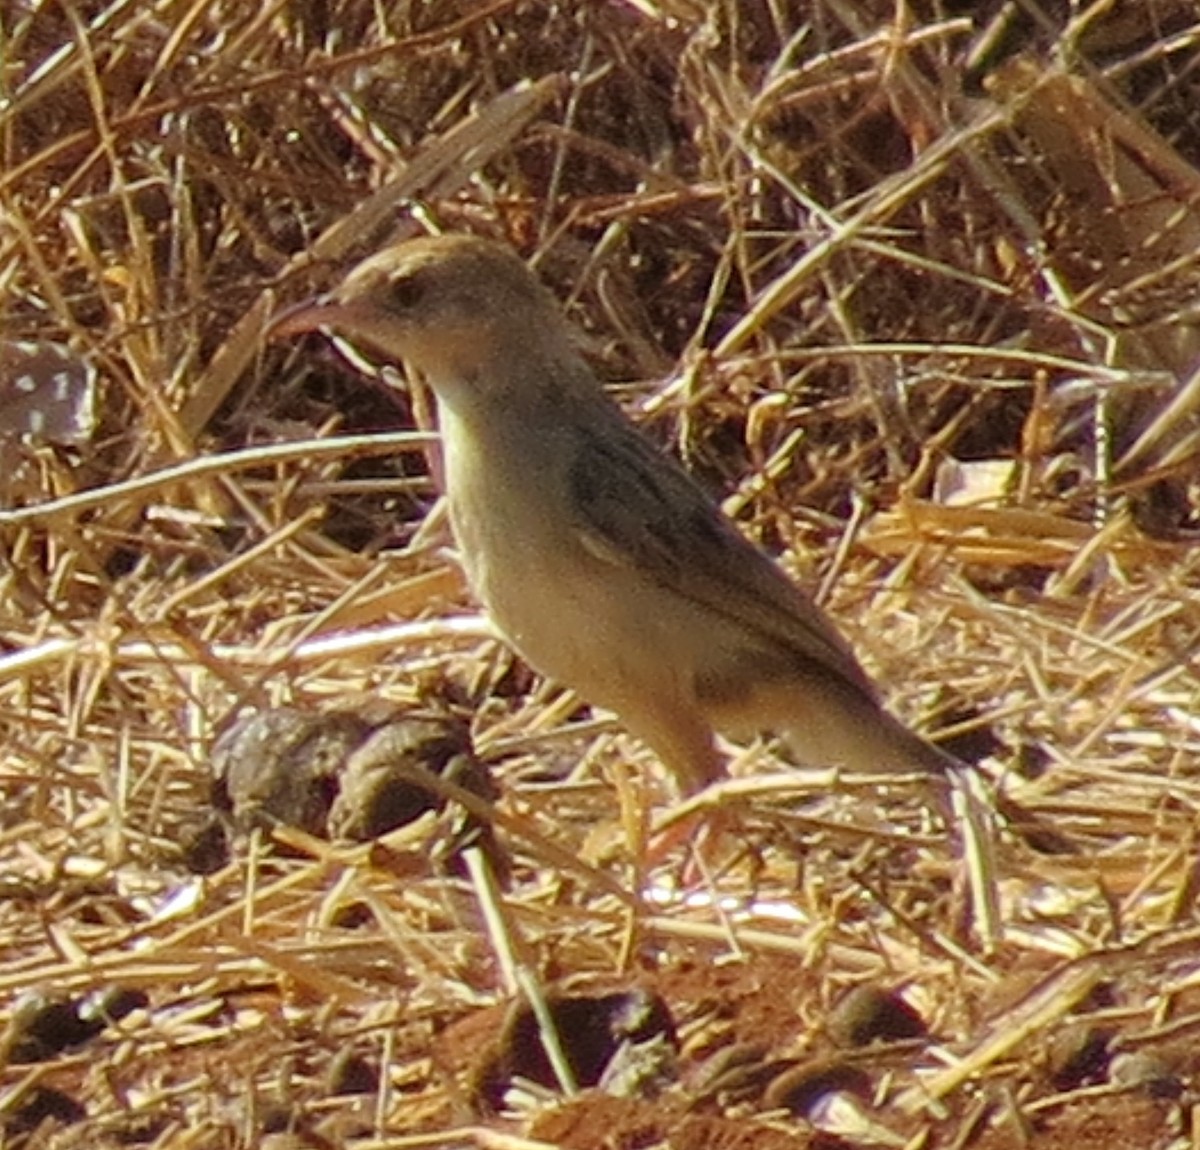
(593,1031)
(801,1088)
(868,1014)
(351,1073)
(281,766)
(36,1106)
(1078,1055)
(43,1026)
(1146,1072)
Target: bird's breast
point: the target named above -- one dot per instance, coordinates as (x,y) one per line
(587,616)
(512,532)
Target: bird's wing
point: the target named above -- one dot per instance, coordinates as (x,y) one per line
(637,508)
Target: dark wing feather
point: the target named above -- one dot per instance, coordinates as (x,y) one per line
(638,508)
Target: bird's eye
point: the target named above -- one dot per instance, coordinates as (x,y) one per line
(405,293)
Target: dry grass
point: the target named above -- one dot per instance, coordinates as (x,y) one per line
(836,245)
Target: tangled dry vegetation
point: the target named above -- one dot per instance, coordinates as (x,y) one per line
(911,285)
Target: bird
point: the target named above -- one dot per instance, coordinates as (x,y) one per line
(596,555)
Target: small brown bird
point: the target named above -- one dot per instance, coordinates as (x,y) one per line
(596,556)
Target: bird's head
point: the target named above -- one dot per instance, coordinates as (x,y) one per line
(464,312)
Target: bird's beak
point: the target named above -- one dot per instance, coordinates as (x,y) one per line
(322,314)
(354,322)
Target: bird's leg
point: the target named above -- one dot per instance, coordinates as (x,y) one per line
(686,745)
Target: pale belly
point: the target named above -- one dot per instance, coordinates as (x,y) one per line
(590,621)
(604,630)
